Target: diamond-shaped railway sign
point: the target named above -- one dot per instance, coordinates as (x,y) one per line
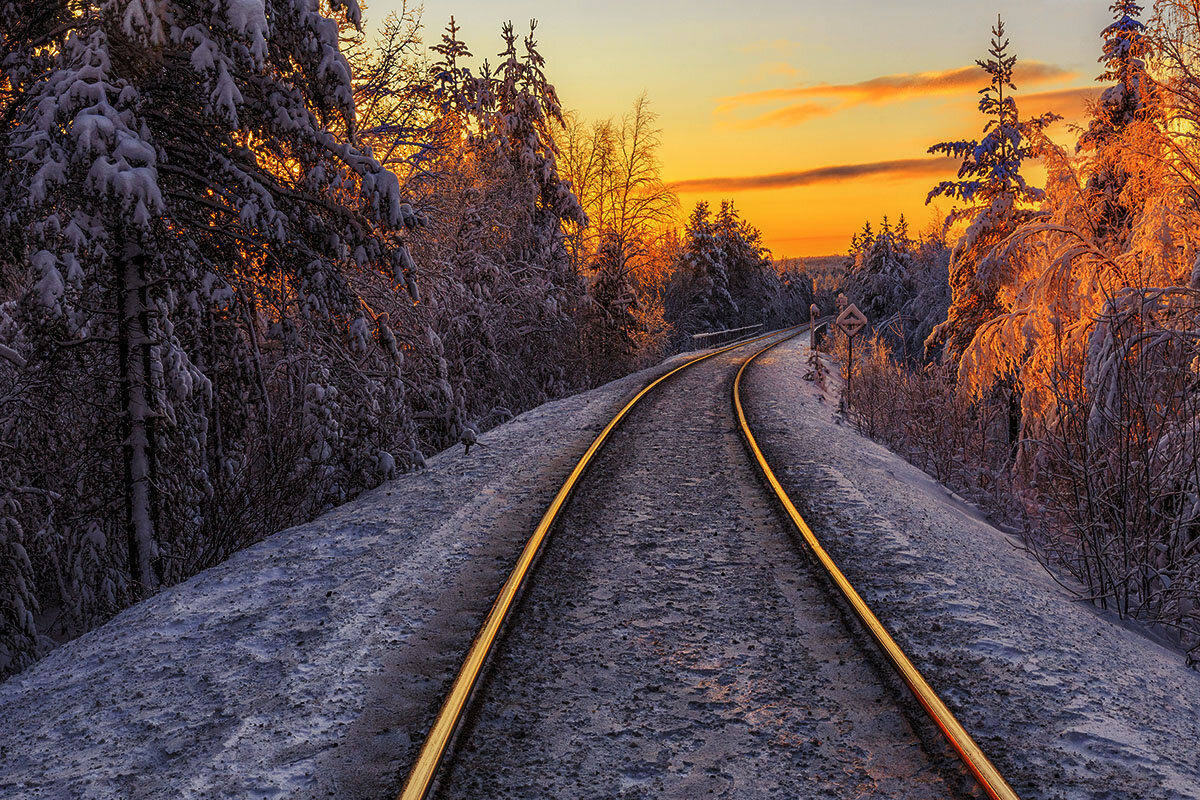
(851,321)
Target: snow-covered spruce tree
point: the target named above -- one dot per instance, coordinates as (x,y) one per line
(1125,47)
(880,275)
(516,110)
(698,298)
(723,277)
(900,283)
(859,243)
(741,250)
(616,305)
(177,204)
(996,199)
(754,284)
(929,300)
(1120,132)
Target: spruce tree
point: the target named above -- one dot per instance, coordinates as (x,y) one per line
(1126,46)
(880,273)
(698,296)
(1132,102)
(995,196)
(511,236)
(744,257)
(183,177)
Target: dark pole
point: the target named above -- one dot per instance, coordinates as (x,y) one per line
(849,368)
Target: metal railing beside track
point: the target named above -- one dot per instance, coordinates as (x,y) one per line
(701,341)
(972,756)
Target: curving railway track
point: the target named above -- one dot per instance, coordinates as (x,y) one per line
(677,643)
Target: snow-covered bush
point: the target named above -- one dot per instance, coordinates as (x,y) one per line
(918,413)
(1076,333)
(1116,470)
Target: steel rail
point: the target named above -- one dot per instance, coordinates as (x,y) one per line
(972,756)
(421,776)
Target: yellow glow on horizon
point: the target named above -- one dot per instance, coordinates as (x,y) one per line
(819,219)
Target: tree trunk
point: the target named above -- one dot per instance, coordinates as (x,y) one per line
(132,343)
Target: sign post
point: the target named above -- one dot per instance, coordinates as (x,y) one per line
(851,321)
(813,311)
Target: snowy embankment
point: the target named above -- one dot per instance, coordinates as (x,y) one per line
(308,665)
(1068,701)
(311,664)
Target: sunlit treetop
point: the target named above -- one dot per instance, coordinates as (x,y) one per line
(991,167)
(448,76)
(1125,43)
(1134,95)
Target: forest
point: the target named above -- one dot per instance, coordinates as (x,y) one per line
(1039,352)
(254,262)
(258,257)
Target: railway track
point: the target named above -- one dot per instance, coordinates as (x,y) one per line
(707,718)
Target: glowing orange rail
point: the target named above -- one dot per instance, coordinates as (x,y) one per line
(972,755)
(424,770)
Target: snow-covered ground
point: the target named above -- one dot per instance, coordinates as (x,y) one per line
(311,664)
(676,644)
(1068,701)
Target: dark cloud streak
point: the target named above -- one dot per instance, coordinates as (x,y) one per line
(901,168)
(892,87)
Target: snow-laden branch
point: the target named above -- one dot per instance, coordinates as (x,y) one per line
(8,354)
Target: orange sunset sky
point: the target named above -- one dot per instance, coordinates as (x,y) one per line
(812,116)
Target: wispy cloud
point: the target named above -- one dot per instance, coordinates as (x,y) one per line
(786,117)
(908,84)
(884,89)
(1070,103)
(901,168)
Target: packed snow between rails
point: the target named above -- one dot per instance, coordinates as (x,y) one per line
(311,664)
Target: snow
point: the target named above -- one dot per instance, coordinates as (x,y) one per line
(257,678)
(249,18)
(50,287)
(309,665)
(1068,701)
